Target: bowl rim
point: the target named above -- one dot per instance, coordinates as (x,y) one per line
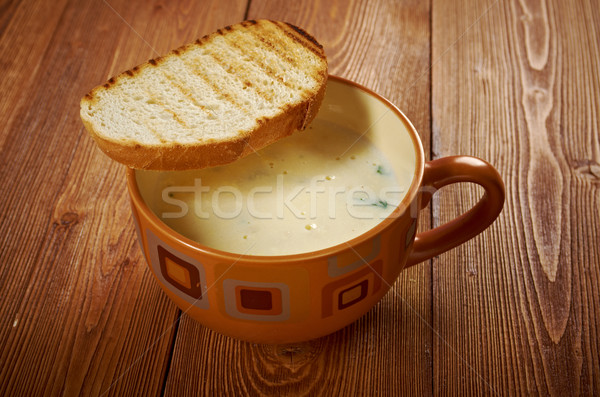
(179,239)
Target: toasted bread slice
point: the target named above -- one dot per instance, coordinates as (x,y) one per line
(210,102)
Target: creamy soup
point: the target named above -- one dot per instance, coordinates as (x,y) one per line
(310,191)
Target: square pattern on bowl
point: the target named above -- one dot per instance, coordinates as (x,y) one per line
(180,274)
(256,301)
(346,292)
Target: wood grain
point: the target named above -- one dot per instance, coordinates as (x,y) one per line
(384,46)
(81,314)
(23,53)
(516,89)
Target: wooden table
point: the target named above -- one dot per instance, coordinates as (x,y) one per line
(514,311)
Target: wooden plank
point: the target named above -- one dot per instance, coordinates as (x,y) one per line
(517,308)
(82,313)
(23,53)
(385,46)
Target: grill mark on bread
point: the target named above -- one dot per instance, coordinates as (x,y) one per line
(240,73)
(175,117)
(185,92)
(270,47)
(158,102)
(278,46)
(293,33)
(305,35)
(274,30)
(156,134)
(269,71)
(218,90)
(267,45)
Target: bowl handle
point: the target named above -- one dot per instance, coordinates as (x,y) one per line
(447,170)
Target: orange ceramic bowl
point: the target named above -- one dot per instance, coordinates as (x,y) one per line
(292,298)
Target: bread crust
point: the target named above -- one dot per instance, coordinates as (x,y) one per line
(169,156)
